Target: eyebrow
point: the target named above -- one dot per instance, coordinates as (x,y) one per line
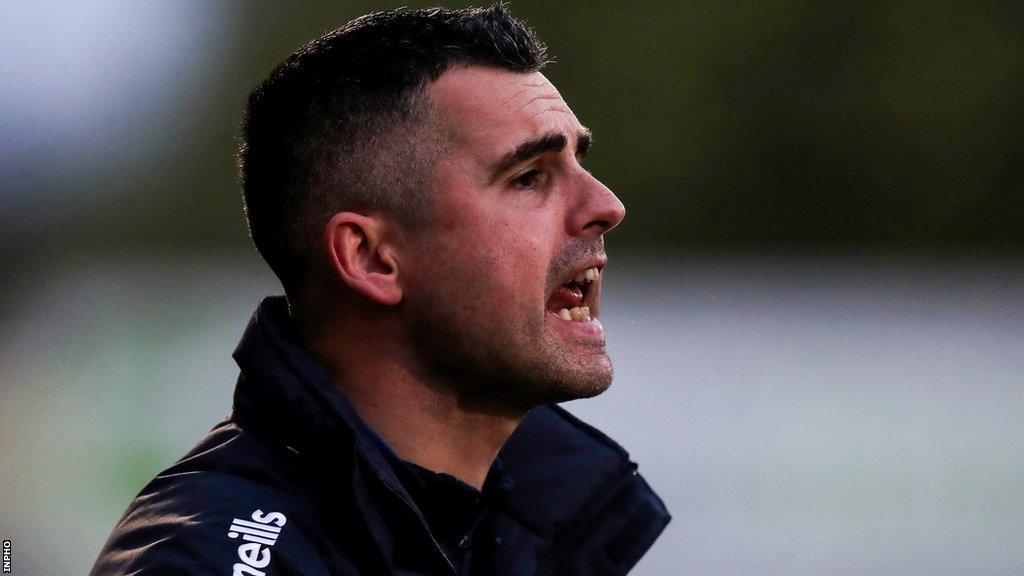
(553,142)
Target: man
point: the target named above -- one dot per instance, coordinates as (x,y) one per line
(415,183)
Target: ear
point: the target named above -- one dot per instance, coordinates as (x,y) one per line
(359,257)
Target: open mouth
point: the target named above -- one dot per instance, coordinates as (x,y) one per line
(577,299)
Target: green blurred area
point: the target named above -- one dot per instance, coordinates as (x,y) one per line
(718,124)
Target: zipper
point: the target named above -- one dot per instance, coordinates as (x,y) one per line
(423,521)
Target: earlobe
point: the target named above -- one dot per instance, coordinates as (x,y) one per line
(361,259)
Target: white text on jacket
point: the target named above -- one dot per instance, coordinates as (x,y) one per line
(259,535)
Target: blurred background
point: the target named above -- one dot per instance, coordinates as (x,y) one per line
(815,305)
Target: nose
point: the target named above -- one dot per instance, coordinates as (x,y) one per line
(596,210)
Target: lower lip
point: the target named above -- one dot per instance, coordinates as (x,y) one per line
(591,330)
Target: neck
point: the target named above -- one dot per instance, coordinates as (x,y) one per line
(423,419)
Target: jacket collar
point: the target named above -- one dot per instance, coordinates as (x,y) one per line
(287,396)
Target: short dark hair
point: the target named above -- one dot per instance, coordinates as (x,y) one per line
(335,126)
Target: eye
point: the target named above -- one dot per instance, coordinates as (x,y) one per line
(528,180)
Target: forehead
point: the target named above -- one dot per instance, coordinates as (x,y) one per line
(485,106)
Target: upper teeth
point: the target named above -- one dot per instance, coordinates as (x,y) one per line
(588,275)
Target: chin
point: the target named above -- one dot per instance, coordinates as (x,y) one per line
(583,380)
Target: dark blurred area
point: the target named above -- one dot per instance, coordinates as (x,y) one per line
(766,124)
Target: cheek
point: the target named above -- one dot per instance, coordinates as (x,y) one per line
(504,277)
(496,255)
(454,274)
(527,274)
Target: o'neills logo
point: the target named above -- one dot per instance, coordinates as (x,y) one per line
(259,534)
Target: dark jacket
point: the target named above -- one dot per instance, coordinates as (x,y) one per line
(295,483)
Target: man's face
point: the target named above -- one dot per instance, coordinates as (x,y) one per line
(518,218)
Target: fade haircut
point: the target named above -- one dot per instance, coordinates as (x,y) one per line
(340,124)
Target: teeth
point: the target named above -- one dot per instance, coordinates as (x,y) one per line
(577,314)
(588,275)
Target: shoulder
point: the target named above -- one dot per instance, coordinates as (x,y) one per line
(228,507)
(575,486)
